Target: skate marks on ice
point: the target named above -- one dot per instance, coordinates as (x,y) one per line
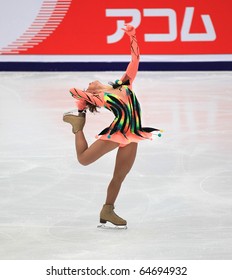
(177,197)
(210,184)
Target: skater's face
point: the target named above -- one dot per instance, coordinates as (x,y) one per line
(94,86)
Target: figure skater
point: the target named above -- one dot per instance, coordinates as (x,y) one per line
(123,133)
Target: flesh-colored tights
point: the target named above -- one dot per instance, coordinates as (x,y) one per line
(124,160)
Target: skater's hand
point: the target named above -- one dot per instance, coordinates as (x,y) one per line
(129,30)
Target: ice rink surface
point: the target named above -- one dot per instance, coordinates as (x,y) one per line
(177,199)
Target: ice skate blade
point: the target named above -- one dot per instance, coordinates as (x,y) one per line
(112,227)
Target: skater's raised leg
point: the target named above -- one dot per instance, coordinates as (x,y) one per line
(87,155)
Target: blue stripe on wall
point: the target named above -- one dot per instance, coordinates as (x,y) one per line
(116,66)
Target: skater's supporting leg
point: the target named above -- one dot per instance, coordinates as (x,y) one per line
(124,161)
(87,155)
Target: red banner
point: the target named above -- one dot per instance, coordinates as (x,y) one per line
(94,27)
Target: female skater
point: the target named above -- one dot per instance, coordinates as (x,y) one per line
(123,133)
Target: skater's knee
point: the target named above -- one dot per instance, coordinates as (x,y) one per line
(83,161)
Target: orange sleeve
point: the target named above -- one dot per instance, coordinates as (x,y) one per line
(95,99)
(133,66)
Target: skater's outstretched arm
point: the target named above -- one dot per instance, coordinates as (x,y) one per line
(133,66)
(84,96)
